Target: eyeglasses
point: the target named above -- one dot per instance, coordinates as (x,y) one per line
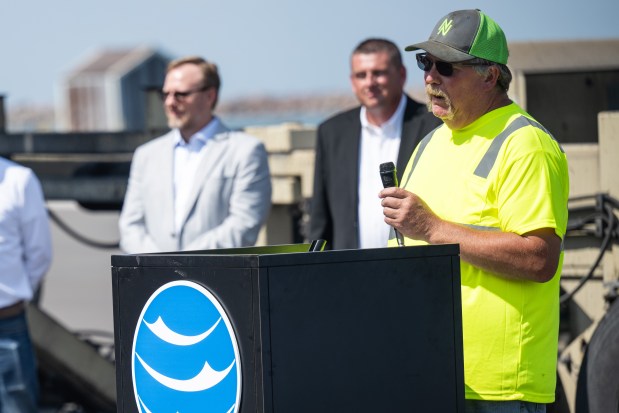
(443,68)
(181,96)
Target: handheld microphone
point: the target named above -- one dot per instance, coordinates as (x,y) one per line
(389,176)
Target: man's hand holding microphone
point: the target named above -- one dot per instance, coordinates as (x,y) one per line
(404,211)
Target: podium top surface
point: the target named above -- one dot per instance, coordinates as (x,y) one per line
(278,255)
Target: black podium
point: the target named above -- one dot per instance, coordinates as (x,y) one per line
(279,329)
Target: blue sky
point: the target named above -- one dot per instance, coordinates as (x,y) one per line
(263,47)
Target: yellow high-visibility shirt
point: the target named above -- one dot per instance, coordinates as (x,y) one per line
(503,172)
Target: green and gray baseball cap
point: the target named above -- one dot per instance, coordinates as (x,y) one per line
(464,35)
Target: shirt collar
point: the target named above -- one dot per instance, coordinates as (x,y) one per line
(390,128)
(201,136)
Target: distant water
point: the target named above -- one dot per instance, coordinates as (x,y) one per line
(235,121)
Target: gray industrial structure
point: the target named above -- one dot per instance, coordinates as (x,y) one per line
(565,84)
(108,90)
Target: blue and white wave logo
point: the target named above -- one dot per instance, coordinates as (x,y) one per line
(185,355)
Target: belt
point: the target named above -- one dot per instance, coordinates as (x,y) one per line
(12,310)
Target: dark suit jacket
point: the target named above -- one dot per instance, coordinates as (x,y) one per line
(334,209)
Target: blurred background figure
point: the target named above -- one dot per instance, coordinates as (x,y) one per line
(25,257)
(200,186)
(351,145)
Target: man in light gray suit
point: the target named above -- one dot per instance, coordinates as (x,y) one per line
(200,186)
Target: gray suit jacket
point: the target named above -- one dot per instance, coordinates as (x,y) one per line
(231,196)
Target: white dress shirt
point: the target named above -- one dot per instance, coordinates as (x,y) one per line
(187,157)
(25,240)
(379,144)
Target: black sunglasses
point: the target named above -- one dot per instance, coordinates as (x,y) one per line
(443,68)
(181,96)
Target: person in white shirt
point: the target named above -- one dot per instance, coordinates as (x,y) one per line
(25,257)
(351,146)
(200,186)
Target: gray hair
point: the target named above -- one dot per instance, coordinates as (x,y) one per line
(505,75)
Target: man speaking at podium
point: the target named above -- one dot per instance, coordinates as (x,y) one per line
(494,181)
(201,186)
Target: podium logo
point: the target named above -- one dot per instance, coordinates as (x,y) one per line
(185,356)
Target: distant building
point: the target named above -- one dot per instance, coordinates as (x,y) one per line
(565,84)
(109,91)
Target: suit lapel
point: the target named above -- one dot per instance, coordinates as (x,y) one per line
(348,163)
(353,154)
(165,175)
(353,160)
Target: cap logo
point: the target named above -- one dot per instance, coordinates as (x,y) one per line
(445,27)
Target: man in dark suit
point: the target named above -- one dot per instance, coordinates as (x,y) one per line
(345,209)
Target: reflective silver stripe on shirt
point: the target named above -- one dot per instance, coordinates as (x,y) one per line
(422,145)
(487,162)
(479,227)
(482,228)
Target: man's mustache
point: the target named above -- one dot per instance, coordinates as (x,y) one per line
(435,92)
